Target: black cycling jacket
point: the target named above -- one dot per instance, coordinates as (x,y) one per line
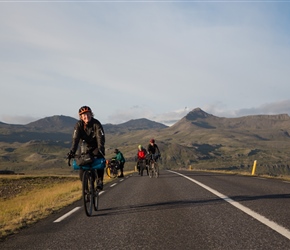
(153,148)
(93,134)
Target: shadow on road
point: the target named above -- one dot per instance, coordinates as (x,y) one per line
(149,207)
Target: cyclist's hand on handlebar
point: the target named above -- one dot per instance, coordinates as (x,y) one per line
(70,155)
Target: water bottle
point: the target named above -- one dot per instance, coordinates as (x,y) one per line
(83,147)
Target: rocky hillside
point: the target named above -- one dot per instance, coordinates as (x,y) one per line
(199,140)
(203,120)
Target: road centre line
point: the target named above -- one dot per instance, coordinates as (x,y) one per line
(280,229)
(77,208)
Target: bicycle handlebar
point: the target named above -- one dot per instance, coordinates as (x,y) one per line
(68,161)
(70,157)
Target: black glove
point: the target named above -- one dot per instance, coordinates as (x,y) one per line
(70,154)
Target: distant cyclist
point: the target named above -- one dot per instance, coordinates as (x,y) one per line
(141,157)
(153,149)
(91,131)
(121,159)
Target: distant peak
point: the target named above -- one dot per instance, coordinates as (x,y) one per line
(197,113)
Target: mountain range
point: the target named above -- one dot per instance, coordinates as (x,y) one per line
(199,140)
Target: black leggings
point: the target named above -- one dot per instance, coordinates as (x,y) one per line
(122,167)
(99,173)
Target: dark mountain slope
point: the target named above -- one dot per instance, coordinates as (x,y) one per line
(60,128)
(133,125)
(54,123)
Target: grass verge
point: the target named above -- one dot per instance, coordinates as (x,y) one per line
(25,200)
(27,207)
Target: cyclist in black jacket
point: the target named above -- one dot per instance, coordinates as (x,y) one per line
(153,149)
(91,131)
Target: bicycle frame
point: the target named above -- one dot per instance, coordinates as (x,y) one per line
(153,166)
(142,166)
(90,194)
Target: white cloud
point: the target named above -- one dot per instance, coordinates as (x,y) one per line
(159,56)
(281,107)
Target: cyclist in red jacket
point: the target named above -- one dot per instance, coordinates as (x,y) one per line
(141,156)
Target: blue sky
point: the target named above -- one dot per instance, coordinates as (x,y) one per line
(143,59)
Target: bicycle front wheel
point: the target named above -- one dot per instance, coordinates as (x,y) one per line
(96,200)
(151,170)
(142,167)
(88,193)
(156,170)
(111,172)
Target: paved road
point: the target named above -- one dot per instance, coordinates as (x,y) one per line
(179,210)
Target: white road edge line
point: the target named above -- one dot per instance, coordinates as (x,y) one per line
(71,212)
(67,214)
(280,229)
(113,185)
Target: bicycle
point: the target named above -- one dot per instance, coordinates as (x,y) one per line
(90,195)
(153,166)
(141,166)
(112,168)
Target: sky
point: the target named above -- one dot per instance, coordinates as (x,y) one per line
(143,59)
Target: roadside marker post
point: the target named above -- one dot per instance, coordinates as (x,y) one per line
(254,167)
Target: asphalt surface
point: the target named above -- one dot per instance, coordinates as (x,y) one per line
(178,210)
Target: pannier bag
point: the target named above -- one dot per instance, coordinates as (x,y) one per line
(84,159)
(114,163)
(97,163)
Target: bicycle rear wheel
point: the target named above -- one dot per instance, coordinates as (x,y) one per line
(142,166)
(88,193)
